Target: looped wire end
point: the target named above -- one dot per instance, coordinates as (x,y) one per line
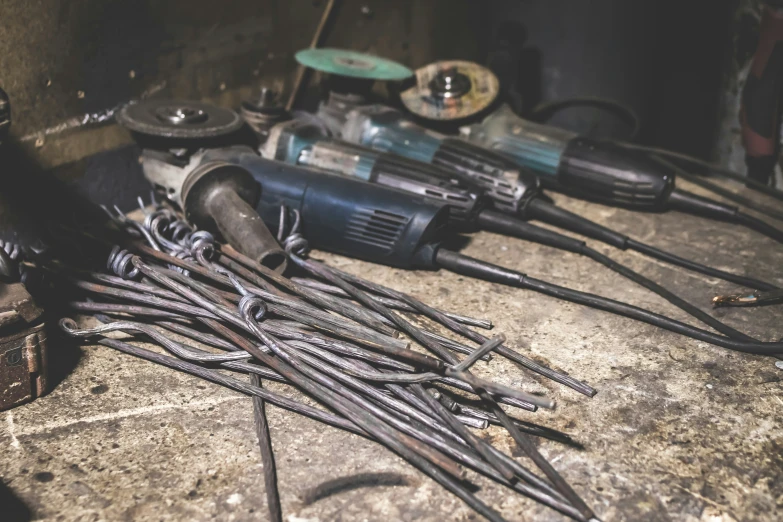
(120,262)
(68,326)
(252,306)
(294,242)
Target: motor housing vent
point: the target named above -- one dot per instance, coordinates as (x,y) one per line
(377,228)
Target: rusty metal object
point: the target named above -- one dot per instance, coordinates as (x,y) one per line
(263,112)
(22,347)
(756,298)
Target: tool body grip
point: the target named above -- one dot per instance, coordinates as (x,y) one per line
(508,185)
(348,216)
(429,182)
(220,195)
(242,227)
(609,173)
(578,166)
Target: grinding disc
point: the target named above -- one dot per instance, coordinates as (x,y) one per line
(178,119)
(353,64)
(451,90)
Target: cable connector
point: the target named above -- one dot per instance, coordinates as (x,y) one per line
(753,299)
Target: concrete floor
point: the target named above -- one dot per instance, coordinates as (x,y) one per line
(680,430)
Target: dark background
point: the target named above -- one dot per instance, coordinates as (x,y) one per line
(667,59)
(68,64)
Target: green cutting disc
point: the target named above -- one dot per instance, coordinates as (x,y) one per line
(353,64)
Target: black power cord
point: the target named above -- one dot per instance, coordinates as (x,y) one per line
(711,168)
(545,110)
(541,210)
(470,267)
(503,224)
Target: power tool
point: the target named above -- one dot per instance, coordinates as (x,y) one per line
(301,143)
(384,225)
(600,171)
(349,77)
(514,189)
(595,170)
(215,196)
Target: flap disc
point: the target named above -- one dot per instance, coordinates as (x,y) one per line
(451,90)
(178,119)
(353,64)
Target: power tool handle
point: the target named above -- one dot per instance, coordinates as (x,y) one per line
(608,173)
(242,228)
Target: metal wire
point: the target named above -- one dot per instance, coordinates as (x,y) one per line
(337,351)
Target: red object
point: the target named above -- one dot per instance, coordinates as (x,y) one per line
(760,111)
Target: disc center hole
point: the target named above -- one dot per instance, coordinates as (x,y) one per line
(450,83)
(181,115)
(354,63)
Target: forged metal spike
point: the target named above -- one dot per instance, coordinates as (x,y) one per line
(454,326)
(193,292)
(234,319)
(180,350)
(232,258)
(394,304)
(70,327)
(480,352)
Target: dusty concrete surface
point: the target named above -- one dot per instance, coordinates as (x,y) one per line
(680,430)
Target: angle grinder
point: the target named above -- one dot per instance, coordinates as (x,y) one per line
(215,195)
(349,81)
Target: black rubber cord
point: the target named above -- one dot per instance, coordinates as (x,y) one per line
(474,268)
(700,206)
(654,287)
(548,213)
(668,257)
(719,190)
(760,226)
(493,221)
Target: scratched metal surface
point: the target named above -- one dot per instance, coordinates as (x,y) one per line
(679,431)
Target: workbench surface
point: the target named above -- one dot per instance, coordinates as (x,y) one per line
(679,430)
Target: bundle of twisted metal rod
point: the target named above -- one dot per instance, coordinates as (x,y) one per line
(331,336)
